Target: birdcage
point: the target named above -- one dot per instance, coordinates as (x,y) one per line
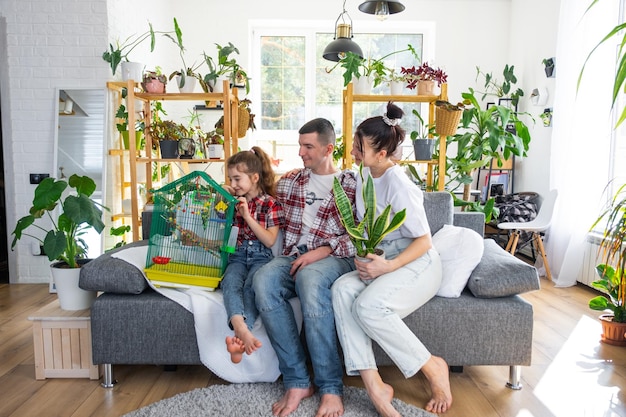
(190,234)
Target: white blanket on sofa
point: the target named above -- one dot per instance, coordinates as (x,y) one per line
(212,328)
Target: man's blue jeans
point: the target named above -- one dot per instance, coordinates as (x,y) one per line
(273,286)
(237,282)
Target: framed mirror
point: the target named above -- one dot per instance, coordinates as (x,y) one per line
(80,143)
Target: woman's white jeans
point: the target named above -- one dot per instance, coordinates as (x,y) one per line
(375,311)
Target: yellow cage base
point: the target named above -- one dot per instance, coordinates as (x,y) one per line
(179,275)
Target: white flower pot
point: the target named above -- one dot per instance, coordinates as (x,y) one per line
(363,85)
(396,88)
(71,296)
(215,151)
(218,87)
(132,71)
(190,84)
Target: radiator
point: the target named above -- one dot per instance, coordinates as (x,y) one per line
(590,260)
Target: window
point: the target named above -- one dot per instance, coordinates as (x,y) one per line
(294,84)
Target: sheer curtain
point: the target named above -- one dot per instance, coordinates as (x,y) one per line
(582,128)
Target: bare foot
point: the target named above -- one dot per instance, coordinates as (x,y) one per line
(436,371)
(291,401)
(379,392)
(244,334)
(330,406)
(235,346)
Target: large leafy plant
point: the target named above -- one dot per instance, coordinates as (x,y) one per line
(368,234)
(489,133)
(501,89)
(78,212)
(355,67)
(120,51)
(619,82)
(612,270)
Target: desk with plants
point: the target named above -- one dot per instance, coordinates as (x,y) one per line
(147,158)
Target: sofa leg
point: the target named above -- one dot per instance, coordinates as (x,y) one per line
(515,377)
(107,377)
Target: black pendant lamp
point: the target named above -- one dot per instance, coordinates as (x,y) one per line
(342,43)
(382,9)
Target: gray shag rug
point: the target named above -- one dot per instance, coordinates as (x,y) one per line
(251,400)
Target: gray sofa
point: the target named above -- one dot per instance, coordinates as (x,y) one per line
(489,324)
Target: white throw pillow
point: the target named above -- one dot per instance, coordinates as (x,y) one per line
(460,250)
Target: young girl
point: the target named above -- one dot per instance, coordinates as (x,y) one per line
(398,284)
(259,216)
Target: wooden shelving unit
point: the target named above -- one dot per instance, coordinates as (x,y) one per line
(136,158)
(349,98)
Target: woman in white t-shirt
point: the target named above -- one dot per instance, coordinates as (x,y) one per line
(370,303)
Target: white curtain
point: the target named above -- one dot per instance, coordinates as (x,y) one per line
(582,128)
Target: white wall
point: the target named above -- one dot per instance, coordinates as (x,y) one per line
(44,45)
(47,44)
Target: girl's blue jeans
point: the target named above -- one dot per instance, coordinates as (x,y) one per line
(237,281)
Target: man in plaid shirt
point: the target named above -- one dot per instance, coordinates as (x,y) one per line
(317,251)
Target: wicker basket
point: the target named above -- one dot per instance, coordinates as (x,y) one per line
(244,122)
(446,121)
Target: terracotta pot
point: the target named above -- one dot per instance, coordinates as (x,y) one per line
(153,86)
(425,88)
(613,333)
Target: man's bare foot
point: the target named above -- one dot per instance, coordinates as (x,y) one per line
(436,371)
(244,334)
(330,406)
(235,347)
(291,401)
(379,392)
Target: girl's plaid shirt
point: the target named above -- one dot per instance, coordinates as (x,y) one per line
(327,229)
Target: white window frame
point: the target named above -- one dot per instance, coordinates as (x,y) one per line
(308,29)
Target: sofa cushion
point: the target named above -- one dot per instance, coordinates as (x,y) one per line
(460,250)
(439,208)
(109,274)
(500,274)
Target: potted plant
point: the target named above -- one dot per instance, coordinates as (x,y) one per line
(372,229)
(165,136)
(612,270)
(423,141)
(245,117)
(395,80)
(154,81)
(122,126)
(505,89)
(548,64)
(118,54)
(489,133)
(186,76)
(225,67)
(69,216)
(372,70)
(424,78)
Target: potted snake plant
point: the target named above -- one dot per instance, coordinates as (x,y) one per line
(69,217)
(366,235)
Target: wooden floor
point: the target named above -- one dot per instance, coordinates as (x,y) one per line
(572,374)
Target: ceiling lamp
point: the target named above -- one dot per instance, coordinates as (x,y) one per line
(382,9)
(342,43)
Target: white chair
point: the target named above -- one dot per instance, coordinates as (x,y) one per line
(537,226)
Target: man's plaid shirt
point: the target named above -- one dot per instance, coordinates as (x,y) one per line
(327,229)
